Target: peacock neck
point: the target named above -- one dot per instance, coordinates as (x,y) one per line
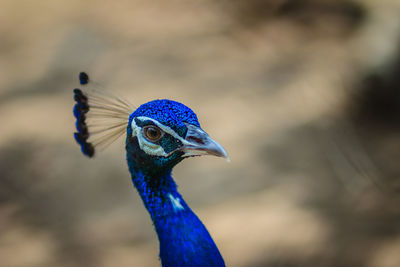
(184,240)
(159,194)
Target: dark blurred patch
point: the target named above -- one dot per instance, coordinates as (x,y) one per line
(12,186)
(41,202)
(342,16)
(374,109)
(309,12)
(377,98)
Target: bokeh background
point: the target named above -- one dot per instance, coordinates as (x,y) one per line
(304,95)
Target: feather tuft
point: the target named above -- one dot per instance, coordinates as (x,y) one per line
(101,118)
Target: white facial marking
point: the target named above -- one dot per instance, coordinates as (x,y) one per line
(166,129)
(176,203)
(149,147)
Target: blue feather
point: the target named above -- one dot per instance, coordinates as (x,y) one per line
(83,78)
(80,109)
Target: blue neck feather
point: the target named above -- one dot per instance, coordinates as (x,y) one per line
(184,241)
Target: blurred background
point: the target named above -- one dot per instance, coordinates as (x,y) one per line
(303,94)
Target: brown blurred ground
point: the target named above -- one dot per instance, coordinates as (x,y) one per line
(304,95)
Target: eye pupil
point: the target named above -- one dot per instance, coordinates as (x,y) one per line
(152,133)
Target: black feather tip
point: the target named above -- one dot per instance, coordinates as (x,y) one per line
(83,78)
(80,109)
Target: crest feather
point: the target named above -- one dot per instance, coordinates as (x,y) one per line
(101,118)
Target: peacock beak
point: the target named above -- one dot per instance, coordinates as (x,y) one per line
(198,143)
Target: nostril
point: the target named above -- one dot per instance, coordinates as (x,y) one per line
(195,139)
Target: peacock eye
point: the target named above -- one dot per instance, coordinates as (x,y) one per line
(152,133)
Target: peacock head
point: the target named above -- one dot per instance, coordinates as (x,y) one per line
(161,133)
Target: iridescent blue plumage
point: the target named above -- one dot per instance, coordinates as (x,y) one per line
(159,134)
(184,241)
(167,112)
(80,109)
(83,78)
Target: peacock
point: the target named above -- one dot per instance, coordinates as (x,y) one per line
(159,134)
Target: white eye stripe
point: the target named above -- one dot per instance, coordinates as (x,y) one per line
(165,128)
(151,148)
